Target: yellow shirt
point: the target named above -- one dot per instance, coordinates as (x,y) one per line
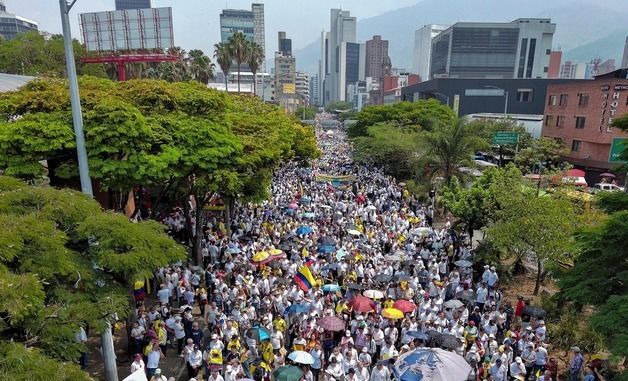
(279,324)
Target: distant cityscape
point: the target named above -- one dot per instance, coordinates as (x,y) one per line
(480,69)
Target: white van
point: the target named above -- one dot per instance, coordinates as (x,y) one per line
(606,187)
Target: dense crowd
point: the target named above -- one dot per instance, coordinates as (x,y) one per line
(339,273)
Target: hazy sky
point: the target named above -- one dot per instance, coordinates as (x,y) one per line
(197,25)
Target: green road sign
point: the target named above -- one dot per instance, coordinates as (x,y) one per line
(503,137)
(617,146)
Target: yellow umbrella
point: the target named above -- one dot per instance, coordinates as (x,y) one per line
(275,252)
(392,313)
(259,257)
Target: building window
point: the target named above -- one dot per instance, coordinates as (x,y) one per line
(575,145)
(531,54)
(563,100)
(548,51)
(549,120)
(580,120)
(551,101)
(524,95)
(583,99)
(545,69)
(560,121)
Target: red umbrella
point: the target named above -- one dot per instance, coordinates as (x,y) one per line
(575,173)
(405,306)
(362,304)
(331,323)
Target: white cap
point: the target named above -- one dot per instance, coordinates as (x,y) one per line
(348,333)
(518,360)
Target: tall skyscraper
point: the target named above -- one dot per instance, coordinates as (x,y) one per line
(314,90)
(338,45)
(11,25)
(284,44)
(302,82)
(518,49)
(624,59)
(423,49)
(376,50)
(285,77)
(250,23)
(133,4)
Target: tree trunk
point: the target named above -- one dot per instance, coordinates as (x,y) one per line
(539,274)
(198,233)
(227,82)
(108,353)
(238,78)
(227,202)
(255,84)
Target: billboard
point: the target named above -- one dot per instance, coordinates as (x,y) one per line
(124,30)
(289,88)
(617,147)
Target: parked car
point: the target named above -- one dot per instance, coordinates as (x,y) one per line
(607,187)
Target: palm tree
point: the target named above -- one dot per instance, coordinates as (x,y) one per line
(222,54)
(255,59)
(239,47)
(201,66)
(451,146)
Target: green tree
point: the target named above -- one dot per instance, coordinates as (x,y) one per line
(53,281)
(305,113)
(31,53)
(611,202)
(538,228)
(622,124)
(449,146)
(421,115)
(543,153)
(254,60)
(222,55)
(338,106)
(201,66)
(239,48)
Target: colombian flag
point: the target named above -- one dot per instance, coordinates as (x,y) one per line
(310,262)
(304,279)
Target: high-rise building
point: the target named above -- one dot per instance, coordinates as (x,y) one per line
(302,81)
(11,25)
(423,48)
(376,50)
(556,57)
(338,46)
(250,23)
(624,59)
(284,44)
(285,79)
(314,90)
(133,4)
(518,49)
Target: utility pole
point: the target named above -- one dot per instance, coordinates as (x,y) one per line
(108,352)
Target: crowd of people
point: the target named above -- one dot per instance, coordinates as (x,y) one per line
(342,263)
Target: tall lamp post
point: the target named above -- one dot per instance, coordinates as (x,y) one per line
(108,352)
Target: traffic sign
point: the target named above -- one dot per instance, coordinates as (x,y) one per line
(504,137)
(617,147)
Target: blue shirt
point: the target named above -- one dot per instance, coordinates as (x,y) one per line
(576,363)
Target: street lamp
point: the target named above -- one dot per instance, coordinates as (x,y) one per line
(505,98)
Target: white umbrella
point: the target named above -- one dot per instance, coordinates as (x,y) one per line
(373,294)
(454,303)
(422,232)
(301,357)
(353,232)
(431,364)
(138,375)
(371,207)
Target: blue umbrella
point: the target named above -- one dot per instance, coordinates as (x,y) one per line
(326,249)
(418,335)
(309,215)
(431,364)
(305,200)
(331,288)
(302,230)
(258,333)
(298,308)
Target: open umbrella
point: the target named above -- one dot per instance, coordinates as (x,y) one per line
(534,311)
(463,263)
(302,230)
(393,258)
(353,232)
(405,306)
(418,335)
(331,323)
(355,286)
(305,200)
(382,278)
(288,373)
(606,174)
(293,205)
(448,341)
(431,364)
(332,287)
(275,252)
(301,357)
(392,313)
(258,333)
(401,277)
(341,254)
(326,249)
(258,258)
(362,304)
(330,266)
(233,250)
(373,294)
(371,207)
(467,295)
(326,241)
(309,215)
(454,303)
(575,173)
(421,231)
(298,308)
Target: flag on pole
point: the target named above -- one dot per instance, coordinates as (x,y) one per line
(304,278)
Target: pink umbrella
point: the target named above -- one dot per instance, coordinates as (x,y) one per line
(575,173)
(292,205)
(405,306)
(362,304)
(610,175)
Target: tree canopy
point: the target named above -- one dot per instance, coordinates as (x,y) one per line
(65,263)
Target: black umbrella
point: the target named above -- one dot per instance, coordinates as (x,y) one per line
(401,277)
(534,311)
(448,341)
(382,278)
(466,295)
(284,246)
(408,263)
(324,241)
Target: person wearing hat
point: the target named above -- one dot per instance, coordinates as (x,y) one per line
(517,369)
(528,355)
(380,372)
(498,371)
(157,376)
(335,369)
(576,364)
